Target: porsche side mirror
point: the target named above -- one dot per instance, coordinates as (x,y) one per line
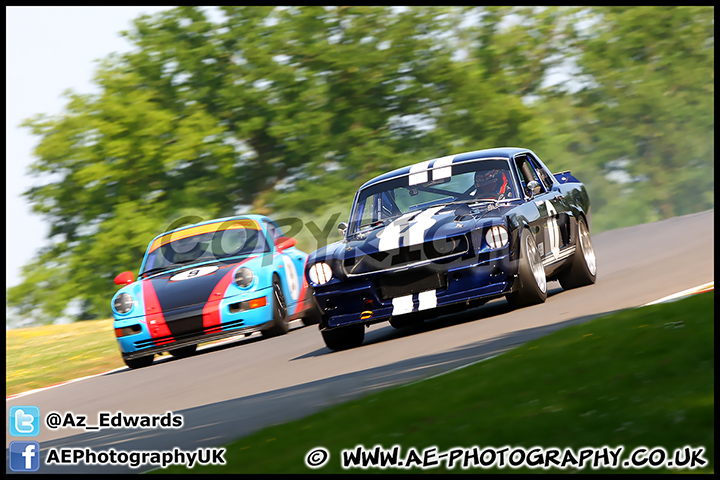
(342,228)
(125,278)
(283,243)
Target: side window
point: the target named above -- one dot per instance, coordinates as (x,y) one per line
(274,232)
(527,172)
(368,214)
(545,177)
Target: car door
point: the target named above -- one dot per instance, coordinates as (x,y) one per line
(548,204)
(559,216)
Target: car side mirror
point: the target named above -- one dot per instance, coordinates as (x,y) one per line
(125,278)
(342,228)
(534,187)
(283,243)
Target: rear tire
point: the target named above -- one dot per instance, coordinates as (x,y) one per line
(281,325)
(583,269)
(312,316)
(343,338)
(531,275)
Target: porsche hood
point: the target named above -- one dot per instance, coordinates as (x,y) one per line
(191,286)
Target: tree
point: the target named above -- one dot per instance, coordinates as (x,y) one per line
(648,103)
(209,118)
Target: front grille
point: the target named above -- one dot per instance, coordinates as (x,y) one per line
(183,330)
(184,326)
(400,257)
(409,282)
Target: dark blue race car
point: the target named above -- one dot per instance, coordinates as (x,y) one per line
(454,231)
(215,279)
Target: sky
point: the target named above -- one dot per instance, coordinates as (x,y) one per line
(48,51)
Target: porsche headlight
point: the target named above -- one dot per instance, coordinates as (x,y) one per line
(320,273)
(123,303)
(244,277)
(496,237)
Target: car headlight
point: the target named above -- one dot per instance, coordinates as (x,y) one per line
(123,303)
(320,273)
(497,236)
(244,277)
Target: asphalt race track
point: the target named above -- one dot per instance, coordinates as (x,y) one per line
(231,390)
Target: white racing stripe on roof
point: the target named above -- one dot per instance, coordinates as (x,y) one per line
(442,167)
(419,173)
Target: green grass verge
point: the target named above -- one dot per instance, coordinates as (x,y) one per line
(37,357)
(42,356)
(639,378)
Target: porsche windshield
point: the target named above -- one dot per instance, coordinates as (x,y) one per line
(485,180)
(181,249)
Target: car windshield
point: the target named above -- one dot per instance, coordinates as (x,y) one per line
(182,248)
(418,190)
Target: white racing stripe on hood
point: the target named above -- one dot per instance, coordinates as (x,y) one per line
(420,225)
(412,226)
(390,235)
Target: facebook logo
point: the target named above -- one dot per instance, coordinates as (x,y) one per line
(24,456)
(24,421)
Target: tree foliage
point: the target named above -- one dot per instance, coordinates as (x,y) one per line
(280,110)
(646,110)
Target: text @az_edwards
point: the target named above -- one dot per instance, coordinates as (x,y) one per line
(116,420)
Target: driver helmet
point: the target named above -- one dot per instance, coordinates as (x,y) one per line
(490,183)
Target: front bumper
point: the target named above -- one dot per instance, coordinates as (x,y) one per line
(188,327)
(379,296)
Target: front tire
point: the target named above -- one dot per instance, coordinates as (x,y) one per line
(184,352)
(531,275)
(583,269)
(281,324)
(343,338)
(408,320)
(139,362)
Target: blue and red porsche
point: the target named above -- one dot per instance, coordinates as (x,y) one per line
(449,233)
(210,280)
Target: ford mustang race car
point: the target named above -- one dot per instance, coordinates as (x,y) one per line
(207,281)
(452,232)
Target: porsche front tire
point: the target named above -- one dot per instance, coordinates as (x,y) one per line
(184,352)
(139,362)
(281,324)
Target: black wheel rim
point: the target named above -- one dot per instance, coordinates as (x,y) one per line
(279,301)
